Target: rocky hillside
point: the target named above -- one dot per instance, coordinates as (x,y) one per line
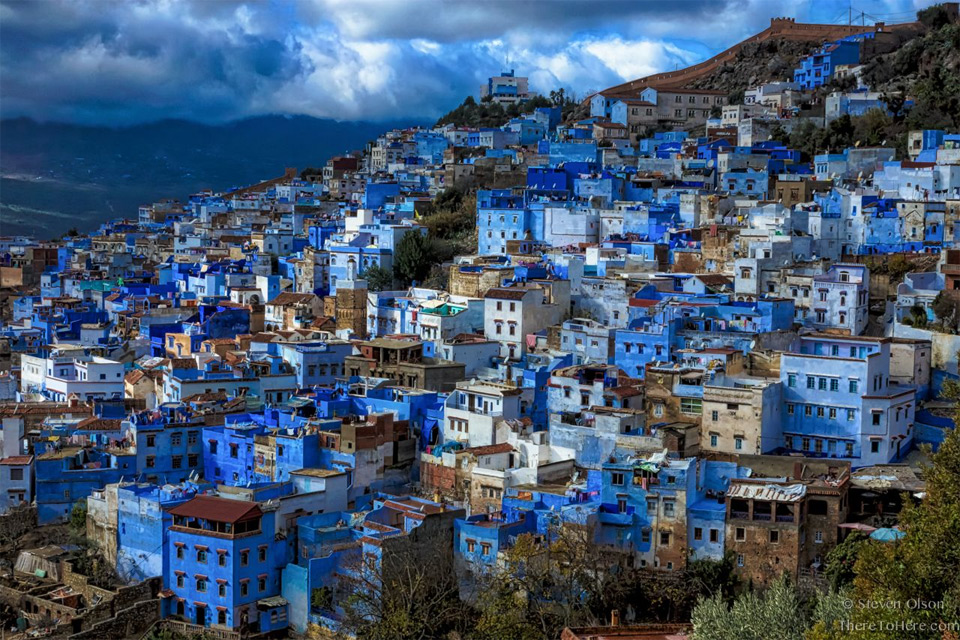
(756,63)
(926,70)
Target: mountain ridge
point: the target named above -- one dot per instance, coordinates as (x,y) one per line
(54,172)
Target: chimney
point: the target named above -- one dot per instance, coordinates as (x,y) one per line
(615,618)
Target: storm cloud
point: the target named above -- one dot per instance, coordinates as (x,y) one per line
(105,62)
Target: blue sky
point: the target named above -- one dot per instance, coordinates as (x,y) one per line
(104,62)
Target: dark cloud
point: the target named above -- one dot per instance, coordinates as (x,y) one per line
(117,62)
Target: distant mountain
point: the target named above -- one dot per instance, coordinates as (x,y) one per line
(56,176)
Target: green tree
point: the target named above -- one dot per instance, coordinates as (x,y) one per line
(830,610)
(924,565)
(414,256)
(78,517)
(946,309)
(779,134)
(841,560)
(918,316)
(934,16)
(378,278)
(776,613)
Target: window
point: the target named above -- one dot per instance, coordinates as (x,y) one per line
(664,538)
(192,437)
(616,478)
(714,415)
(849,449)
(201,555)
(192,460)
(151,440)
(714,535)
(244,557)
(222,559)
(811,382)
(180,581)
(741,535)
(697,533)
(177,462)
(234,450)
(851,414)
(822,384)
(774,536)
(738,443)
(790,409)
(819,412)
(485,548)
(262,554)
(244,588)
(202,585)
(713,439)
(471,545)
(854,385)
(834,384)
(833,413)
(875,418)
(668,508)
(834,350)
(16,474)
(213,446)
(691,405)
(792,380)
(808,409)
(222,592)
(151,461)
(175,439)
(818,537)
(644,536)
(739,559)
(874,446)
(179,553)
(261,584)
(805,444)
(652,506)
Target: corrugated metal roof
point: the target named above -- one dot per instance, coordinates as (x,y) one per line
(772,492)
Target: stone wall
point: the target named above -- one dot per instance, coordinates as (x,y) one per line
(131,622)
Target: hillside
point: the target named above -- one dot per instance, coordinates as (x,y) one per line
(756,63)
(57,176)
(780,29)
(926,69)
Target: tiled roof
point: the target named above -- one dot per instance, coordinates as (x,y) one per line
(506,294)
(217,509)
(490,449)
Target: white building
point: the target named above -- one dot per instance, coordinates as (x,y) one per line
(68,372)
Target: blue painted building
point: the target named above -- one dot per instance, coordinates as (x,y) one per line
(224,565)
